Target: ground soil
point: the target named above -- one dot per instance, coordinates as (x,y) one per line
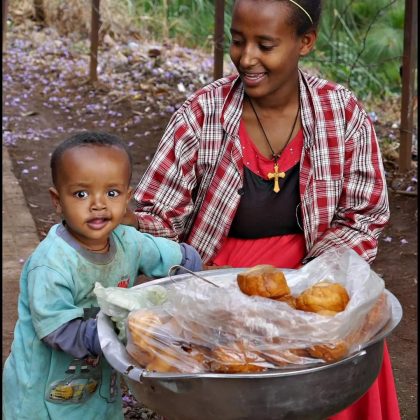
(398,247)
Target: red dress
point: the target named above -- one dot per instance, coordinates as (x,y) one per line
(380,401)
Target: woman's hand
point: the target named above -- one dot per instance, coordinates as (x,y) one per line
(130,219)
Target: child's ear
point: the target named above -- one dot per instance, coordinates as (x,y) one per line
(129,194)
(55,198)
(129,197)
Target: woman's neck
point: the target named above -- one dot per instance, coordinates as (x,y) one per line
(280,100)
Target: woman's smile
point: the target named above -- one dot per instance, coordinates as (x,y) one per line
(253,79)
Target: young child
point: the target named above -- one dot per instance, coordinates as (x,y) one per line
(55,369)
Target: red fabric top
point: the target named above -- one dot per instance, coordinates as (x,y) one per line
(285,251)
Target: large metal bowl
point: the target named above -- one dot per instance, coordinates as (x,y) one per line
(314,392)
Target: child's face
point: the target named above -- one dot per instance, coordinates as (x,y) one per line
(92,192)
(265,47)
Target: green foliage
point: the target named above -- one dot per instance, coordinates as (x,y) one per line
(359,42)
(189,22)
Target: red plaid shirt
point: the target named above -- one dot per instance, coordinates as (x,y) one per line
(190,190)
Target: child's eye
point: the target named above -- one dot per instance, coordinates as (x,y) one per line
(81,194)
(113,193)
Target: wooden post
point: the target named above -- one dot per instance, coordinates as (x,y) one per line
(408,76)
(39,11)
(165,20)
(94,41)
(4,9)
(219,32)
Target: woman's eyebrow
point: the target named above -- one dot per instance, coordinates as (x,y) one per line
(259,37)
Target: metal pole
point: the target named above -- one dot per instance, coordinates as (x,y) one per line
(4,9)
(219,33)
(408,76)
(94,41)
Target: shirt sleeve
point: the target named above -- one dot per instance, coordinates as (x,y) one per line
(190,258)
(363,208)
(164,194)
(77,337)
(51,301)
(158,255)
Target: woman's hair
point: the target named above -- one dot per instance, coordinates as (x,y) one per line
(304,22)
(86,138)
(299,19)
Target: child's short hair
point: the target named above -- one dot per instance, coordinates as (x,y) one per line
(86,138)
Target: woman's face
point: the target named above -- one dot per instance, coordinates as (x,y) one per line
(265,47)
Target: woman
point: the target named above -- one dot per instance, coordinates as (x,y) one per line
(271,165)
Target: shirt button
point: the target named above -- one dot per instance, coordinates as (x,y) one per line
(241,191)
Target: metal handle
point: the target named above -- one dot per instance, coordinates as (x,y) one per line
(175,267)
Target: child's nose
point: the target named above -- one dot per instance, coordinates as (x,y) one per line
(98,202)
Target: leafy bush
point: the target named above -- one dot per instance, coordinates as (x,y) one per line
(360,44)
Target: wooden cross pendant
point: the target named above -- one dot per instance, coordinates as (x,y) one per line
(276,175)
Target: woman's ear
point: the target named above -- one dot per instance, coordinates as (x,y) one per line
(307,43)
(55,198)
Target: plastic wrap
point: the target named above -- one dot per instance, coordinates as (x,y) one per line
(118,302)
(220,329)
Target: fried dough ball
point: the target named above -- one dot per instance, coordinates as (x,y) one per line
(142,357)
(289,299)
(329,352)
(374,320)
(230,360)
(141,322)
(163,363)
(263,280)
(140,326)
(324,298)
(184,358)
(281,358)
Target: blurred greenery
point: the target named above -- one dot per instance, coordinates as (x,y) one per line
(360,43)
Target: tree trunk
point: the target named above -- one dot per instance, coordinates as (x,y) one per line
(4,9)
(39,11)
(94,41)
(219,34)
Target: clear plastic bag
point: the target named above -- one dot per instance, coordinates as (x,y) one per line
(118,302)
(204,328)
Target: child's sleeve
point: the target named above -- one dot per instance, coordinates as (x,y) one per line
(158,255)
(77,337)
(190,258)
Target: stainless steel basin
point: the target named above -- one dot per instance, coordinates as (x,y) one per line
(314,392)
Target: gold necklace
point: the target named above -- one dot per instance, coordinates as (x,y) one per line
(276,174)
